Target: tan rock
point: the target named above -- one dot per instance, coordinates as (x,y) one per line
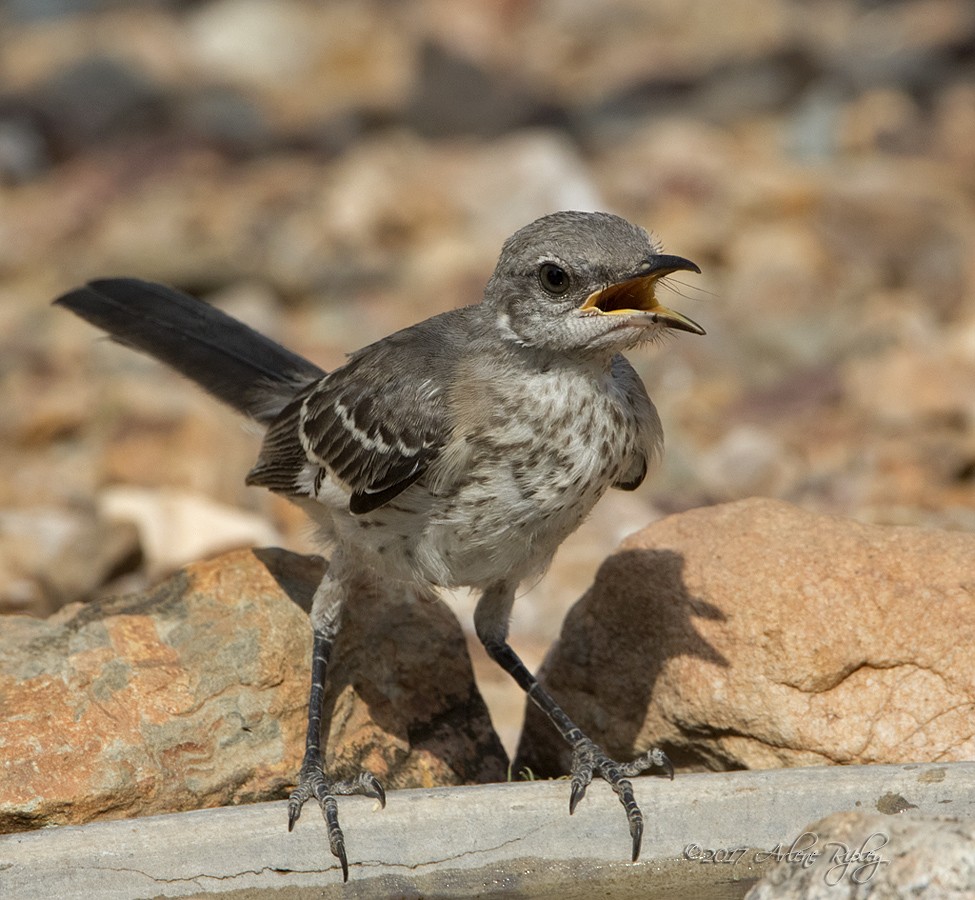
(193,694)
(50,557)
(97,553)
(911,385)
(755,635)
(177,527)
(860,854)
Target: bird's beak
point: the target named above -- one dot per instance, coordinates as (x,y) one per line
(635,296)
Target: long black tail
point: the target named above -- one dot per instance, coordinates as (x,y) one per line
(233,362)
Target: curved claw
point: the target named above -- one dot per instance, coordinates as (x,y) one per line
(336,840)
(339,851)
(366,784)
(636,831)
(313,783)
(578,792)
(297,800)
(589,759)
(379,793)
(667,765)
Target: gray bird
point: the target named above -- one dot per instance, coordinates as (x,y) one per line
(458,452)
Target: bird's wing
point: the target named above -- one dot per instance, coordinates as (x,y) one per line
(377,439)
(375,424)
(649,443)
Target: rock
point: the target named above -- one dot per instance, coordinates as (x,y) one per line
(747,460)
(911,46)
(441,102)
(755,635)
(915,385)
(177,527)
(23,151)
(254,41)
(189,695)
(50,557)
(955,126)
(98,552)
(860,854)
(194,694)
(710,836)
(227,117)
(520,177)
(37,420)
(344,55)
(96,99)
(884,120)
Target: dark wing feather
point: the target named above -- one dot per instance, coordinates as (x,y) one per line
(377,423)
(282,457)
(376,438)
(635,480)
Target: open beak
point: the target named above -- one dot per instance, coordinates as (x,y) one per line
(635,296)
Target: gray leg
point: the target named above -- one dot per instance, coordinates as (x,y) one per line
(491,624)
(326,616)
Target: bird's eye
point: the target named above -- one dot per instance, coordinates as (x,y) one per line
(554,278)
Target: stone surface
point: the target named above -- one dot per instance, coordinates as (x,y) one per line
(194,694)
(865,854)
(178,527)
(50,557)
(711,837)
(755,634)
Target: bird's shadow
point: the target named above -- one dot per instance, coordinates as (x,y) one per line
(400,694)
(298,576)
(615,643)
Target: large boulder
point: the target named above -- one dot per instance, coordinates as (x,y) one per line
(194,694)
(755,634)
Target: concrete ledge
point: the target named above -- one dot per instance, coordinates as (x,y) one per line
(511,839)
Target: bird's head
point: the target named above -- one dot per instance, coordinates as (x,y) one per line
(580,282)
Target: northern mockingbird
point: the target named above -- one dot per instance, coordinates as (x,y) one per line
(458,452)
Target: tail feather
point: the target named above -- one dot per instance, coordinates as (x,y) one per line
(236,364)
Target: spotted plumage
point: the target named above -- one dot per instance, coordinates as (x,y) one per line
(459,451)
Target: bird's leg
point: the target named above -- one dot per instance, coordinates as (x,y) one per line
(312,781)
(588,758)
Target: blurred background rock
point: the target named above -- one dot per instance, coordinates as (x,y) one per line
(330,172)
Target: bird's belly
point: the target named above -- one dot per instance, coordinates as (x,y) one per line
(494,527)
(508,520)
(476,552)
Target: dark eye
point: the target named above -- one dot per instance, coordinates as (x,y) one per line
(554,278)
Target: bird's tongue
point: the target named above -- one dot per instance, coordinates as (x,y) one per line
(636,298)
(636,294)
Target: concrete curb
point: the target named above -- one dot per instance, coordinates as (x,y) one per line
(703,839)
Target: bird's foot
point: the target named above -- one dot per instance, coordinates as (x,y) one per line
(589,759)
(312,782)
